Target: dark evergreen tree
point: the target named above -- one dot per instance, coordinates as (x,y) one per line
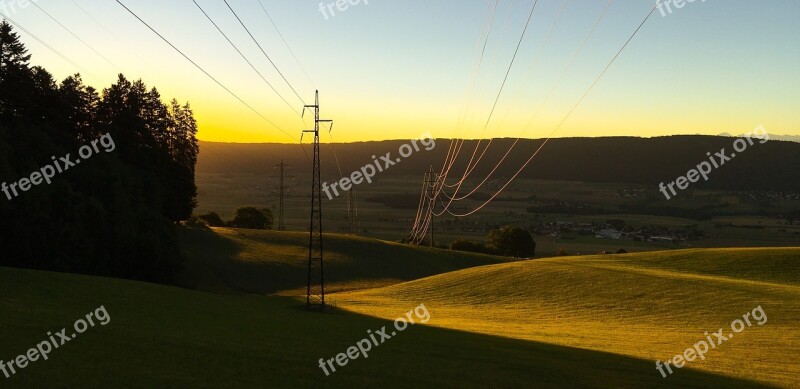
(114,214)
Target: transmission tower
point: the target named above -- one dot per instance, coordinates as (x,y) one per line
(281,189)
(315,296)
(352,212)
(431,182)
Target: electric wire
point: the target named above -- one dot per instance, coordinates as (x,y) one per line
(245,58)
(43,43)
(76,36)
(286,43)
(499,93)
(111,33)
(263,52)
(566,117)
(204,71)
(544,102)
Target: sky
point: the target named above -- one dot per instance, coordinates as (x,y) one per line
(398,69)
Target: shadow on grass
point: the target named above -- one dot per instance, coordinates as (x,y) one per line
(170,337)
(424,355)
(214,264)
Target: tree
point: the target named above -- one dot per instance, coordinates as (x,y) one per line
(470,246)
(252,218)
(270,218)
(158,139)
(15,73)
(114,214)
(512,241)
(212,219)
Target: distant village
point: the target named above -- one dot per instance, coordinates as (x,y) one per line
(617,230)
(610,229)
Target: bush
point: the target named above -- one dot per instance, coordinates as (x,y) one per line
(470,246)
(212,219)
(252,218)
(562,253)
(622,251)
(513,241)
(196,222)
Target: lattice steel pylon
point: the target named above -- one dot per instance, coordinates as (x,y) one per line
(281,189)
(431,183)
(353,224)
(315,296)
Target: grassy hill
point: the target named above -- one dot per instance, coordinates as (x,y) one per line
(574,322)
(650,306)
(168,337)
(268,262)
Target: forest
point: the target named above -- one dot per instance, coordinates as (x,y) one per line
(114,214)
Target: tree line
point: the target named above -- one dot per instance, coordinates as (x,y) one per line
(645,161)
(113,215)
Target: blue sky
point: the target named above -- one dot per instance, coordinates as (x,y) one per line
(396,69)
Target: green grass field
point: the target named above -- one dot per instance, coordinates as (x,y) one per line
(234,261)
(597,321)
(649,306)
(224,193)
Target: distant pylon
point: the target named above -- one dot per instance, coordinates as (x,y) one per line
(352,212)
(431,182)
(315,295)
(281,188)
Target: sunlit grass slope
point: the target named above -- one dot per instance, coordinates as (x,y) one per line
(164,337)
(233,260)
(649,306)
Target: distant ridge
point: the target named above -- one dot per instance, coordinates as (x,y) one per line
(771,166)
(787,138)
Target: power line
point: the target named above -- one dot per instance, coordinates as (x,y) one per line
(244,57)
(264,52)
(76,36)
(488,121)
(286,43)
(510,66)
(470,167)
(547,98)
(335,155)
(203,70)
(469,170)
(56,52)
(455,144)
(111,33)
(416,231)
(566,117)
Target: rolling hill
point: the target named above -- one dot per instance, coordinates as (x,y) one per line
(650,306)
(268,262)
(647,161)
(573,321)
(167,337)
